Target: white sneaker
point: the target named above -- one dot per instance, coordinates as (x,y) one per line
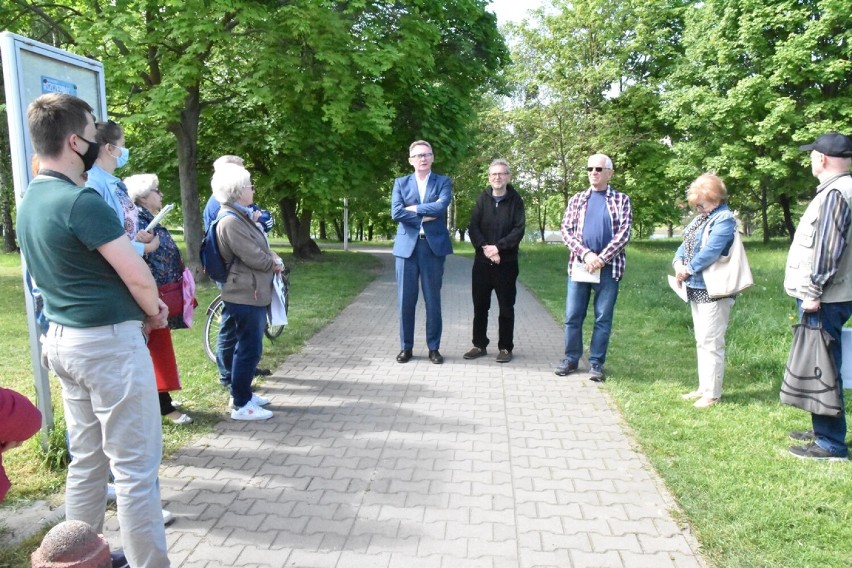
(257,399)
(168,518)
(251,411)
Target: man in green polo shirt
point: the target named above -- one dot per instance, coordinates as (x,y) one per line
(98,295)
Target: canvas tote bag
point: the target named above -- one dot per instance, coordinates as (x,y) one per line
(810,378)
(730,274)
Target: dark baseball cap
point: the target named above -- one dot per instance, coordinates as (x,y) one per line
(832,144)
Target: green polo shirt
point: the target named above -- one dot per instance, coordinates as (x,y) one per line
(60,226)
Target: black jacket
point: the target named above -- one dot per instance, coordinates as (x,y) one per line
(501,224)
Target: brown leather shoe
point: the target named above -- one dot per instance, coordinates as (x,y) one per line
(404,356)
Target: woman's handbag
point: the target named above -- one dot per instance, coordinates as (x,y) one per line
(730,274)
(172,295)
(810,378)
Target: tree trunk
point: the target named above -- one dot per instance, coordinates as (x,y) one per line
(297,225)
(186,135)
(323,231)
(370,232)
(7,190)
(784,200)
(338,229)
(764,216)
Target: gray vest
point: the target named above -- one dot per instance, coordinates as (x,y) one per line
(801,258)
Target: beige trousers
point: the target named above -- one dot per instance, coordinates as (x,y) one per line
(711,322)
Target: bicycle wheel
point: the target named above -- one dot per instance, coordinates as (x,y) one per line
(211,327)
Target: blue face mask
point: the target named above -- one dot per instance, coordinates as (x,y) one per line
(122,158)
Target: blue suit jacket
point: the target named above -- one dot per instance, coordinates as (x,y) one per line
(439,193)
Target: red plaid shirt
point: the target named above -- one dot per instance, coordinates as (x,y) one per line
(622,218)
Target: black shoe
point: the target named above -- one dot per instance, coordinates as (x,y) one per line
(814,452)
(504,356)
(404,356)
(806,436)
(118,559)
(475,353)
(261,372)
(597,374)
(566,367)
(436,357)
(224,383)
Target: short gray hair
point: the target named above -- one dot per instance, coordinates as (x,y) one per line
(500,162)
(141,185)
(228,182)
(608,162)
(227,159)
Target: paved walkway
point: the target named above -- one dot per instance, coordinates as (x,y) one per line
(370,463)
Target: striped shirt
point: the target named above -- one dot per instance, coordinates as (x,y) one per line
(834,221)
(621,216)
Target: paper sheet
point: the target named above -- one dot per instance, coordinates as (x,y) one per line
(679,290)
(580,274)
(159,217)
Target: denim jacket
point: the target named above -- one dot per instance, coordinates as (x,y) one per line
(722,226)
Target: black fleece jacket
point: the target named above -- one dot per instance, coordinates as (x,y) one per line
(498,223)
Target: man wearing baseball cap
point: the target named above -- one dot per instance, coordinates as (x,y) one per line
(819,275)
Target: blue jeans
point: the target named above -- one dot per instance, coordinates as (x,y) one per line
(225,344)
(830,431)
(576,306)
(248,322)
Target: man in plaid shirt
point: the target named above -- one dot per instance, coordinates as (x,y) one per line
(596,230)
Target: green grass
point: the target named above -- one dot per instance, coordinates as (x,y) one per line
(750,503)
(318,293)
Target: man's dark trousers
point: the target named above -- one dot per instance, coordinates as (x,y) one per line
(502,279)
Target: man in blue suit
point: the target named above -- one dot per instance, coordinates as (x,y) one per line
(419,204)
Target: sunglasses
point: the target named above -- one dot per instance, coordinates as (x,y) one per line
(595,169)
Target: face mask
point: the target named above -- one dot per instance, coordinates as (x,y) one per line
(122,158)
(91,154)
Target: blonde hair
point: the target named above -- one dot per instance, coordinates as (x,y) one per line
(707,186)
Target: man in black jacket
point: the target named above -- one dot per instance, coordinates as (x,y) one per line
(496,229)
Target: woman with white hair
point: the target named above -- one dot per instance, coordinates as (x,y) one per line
(167,267)
(247,292)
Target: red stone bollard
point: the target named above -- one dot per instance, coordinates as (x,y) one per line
(72,544)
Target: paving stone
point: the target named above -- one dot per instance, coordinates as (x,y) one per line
(370,463)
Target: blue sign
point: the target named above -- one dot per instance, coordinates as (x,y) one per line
(51,85)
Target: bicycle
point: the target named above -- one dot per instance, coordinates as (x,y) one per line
(214,320)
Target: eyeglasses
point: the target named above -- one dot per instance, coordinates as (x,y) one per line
(157,191)
(595,169)
(421,156)
(251,187)
(499,174)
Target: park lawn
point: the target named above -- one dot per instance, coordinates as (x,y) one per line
(319,290)
(750,503)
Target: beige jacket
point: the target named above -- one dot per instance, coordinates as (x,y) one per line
(244,245)
(800,259)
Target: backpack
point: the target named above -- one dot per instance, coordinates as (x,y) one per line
(211,259)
